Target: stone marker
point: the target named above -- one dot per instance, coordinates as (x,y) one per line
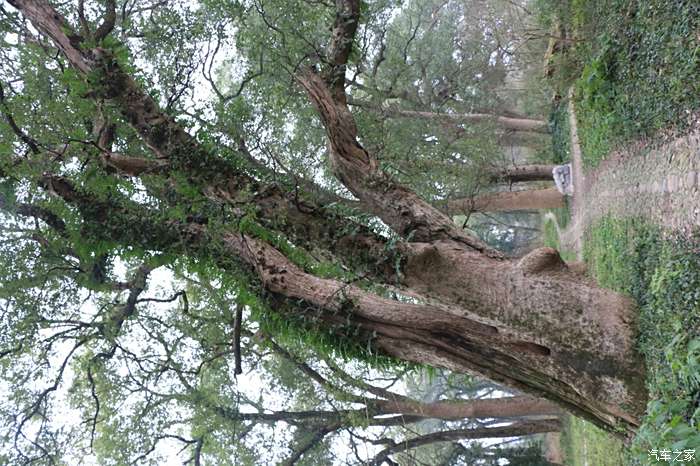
(563,179)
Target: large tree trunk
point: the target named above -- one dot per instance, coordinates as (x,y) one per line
(507,201)
(529,324)
(538,299)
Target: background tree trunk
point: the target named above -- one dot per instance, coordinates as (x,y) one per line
(503,122)
(523,173)
(506,407)
(532,199)
(514,430)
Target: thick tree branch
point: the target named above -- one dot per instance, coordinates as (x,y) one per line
(237,322)
(134,166)
(37,212)
(347,18)
(513,430)
(399,207)
(4,109)
(108,21)
(112,323)
(48,21)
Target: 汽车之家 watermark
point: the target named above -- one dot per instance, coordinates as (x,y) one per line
(672,456)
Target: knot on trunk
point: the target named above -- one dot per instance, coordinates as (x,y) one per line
(541,260)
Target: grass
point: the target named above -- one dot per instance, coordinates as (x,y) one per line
(561,133)
(584,444)
(663,275)
(550,233)
(635,66)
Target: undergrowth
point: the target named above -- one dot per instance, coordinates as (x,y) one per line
(561,135)
(550,233)
(584,444)
(635,67)
(662,273)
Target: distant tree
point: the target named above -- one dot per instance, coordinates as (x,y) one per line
(528,199)
(357,408)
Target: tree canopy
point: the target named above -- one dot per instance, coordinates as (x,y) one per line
(180,177)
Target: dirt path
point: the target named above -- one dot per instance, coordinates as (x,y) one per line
(572,239)
(660,182)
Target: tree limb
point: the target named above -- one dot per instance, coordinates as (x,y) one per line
(347,17)
(513,430)
(237,321)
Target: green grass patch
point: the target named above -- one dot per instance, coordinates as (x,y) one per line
(550,235)
(563,214)
(637,65)
(561,132)
(584,444)
(550,232)
(663,274)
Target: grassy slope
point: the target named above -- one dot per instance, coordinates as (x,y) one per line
(583,444)
(636,70)
(635,65)
(663,275)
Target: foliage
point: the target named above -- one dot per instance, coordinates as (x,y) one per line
(663,274)
(432,63)
(636,67)
(114,319)
(561,133)
(582,443)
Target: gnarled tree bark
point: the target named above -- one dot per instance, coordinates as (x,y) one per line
(530,324)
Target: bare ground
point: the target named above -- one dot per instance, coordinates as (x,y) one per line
(552,448)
